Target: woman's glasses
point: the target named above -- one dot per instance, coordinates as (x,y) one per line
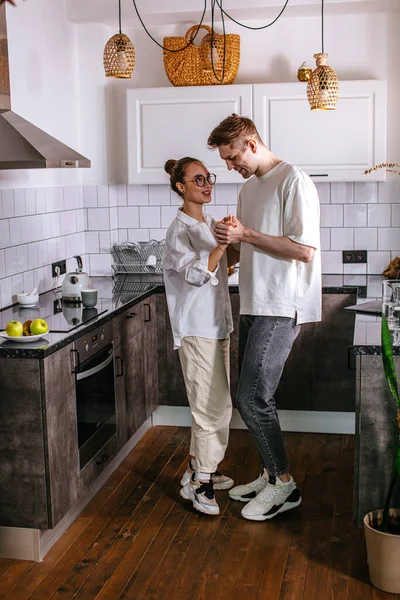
(200,180)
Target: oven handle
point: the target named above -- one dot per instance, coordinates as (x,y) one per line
(96,369)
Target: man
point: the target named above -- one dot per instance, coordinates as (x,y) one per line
(280,288)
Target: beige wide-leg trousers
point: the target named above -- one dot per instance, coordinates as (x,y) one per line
(205,366)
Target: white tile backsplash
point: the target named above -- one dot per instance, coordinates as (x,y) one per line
(366,238)
(355,215)
(149,217)
(366,192)
(159,195)
(388,238)
(379,215)
(138,195)
(342,193)
(128,217)
(331,215)
(42,225)
(342,238)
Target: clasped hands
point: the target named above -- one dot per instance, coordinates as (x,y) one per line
(229,231)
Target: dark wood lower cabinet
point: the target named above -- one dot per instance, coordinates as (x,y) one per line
(136,366)
(316,375)
(40,476)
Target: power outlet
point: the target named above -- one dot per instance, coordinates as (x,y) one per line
(62,265)
(355,256)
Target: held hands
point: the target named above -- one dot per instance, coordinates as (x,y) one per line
(229,231)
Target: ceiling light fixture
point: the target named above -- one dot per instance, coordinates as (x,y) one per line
(323,85)
(119,54)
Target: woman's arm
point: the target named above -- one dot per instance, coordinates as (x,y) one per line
(215,257)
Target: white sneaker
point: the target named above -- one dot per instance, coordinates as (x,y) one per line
(202,496)
(245,493)
(276,497)
(221,482)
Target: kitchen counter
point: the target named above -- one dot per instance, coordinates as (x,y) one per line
(366,333)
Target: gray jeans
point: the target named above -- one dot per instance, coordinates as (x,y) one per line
(264,345)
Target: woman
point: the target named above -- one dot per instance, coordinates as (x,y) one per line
(196,285)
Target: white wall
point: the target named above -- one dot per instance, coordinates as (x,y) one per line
(43,79)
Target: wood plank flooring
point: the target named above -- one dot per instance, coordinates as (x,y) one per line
(137,539)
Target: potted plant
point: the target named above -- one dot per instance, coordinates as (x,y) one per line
(382,527)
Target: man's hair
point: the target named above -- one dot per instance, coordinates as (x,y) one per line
(233,131)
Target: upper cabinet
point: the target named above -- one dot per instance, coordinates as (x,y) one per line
(337,145)
(168,123)
(334,145)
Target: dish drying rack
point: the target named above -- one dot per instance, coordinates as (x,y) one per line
(133,258)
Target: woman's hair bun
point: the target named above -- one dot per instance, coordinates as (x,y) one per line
(170,165)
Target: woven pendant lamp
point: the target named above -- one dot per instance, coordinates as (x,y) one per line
(119,54)
(323,85)
(212,52)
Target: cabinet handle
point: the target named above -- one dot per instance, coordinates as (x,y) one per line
(148,317)
(131,315)
(319,175)
(349,355)
(74,361)
(102,460)
(121,363)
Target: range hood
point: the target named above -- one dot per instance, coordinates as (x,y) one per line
(22,144)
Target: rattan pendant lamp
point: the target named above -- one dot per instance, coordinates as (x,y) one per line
(323,85)
(119,54)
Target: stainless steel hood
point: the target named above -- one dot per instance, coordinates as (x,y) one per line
(22,144)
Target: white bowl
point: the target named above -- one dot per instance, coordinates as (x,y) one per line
(28,299)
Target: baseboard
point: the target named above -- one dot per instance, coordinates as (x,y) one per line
(305,421)
(33,544)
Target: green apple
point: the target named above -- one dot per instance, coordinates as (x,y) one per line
(14,328)
(39,326)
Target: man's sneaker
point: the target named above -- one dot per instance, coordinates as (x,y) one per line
(245,493)
(202,496)
(221,482)
(276,497)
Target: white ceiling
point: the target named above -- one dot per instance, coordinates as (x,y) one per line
(160,12)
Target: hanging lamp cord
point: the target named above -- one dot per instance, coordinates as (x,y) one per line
(223,13)
(322,24)
(119,15)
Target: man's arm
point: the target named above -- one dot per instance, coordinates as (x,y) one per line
(233,256)
(280,246)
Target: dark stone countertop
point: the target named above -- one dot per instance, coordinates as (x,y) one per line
(366,334)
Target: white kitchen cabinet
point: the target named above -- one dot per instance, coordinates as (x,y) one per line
(333,145)
(168,123)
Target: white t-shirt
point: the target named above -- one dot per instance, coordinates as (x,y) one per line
(283,202)
(198,299)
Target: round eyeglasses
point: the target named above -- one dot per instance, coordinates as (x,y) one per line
(200,180)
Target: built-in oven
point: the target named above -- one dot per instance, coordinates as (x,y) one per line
(93,358)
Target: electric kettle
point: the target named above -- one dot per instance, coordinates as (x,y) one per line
(75,282)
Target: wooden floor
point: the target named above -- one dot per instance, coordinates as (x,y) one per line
(138,539)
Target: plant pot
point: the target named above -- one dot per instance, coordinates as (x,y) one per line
(383,551)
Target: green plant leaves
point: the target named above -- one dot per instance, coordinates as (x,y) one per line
(388,362)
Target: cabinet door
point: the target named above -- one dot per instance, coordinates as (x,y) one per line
(61,433)
(23,489)
(335,382)
(134,365)
(150,356)
(168,123)
(130,358)
(333,145)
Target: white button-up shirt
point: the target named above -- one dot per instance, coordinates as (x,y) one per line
(198,299)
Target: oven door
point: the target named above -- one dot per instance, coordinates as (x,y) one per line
(95,403)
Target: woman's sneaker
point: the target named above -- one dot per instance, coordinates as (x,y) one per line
(202,496)
(245,493)
(276,497)
(221,482)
